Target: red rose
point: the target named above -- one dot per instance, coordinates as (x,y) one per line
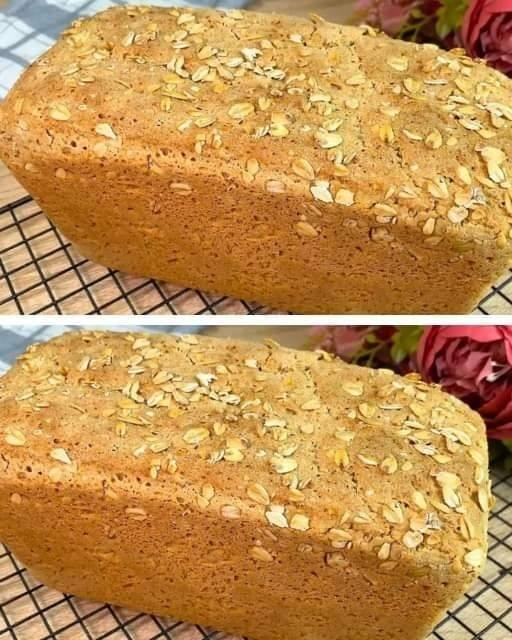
(344,341)
(487,32)
(474,364)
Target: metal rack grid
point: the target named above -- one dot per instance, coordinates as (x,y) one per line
(31,611)
(41,272)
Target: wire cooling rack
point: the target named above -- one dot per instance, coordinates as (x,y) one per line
(31,611)
(41,272)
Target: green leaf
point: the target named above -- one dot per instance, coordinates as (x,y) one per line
(405,342)
(449,16)
(417,14)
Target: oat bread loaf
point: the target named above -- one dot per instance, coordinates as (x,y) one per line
(260,490)
(310,166)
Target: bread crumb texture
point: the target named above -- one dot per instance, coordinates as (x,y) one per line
(260,490)
(308,165)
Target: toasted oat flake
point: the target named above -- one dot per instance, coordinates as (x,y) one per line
(306,230)
(344,197)
(384,551)
(412,85)
(274,186)
(275,422)
(419,500)
(328,140)
(259,553)
(257,493)
(303,169)
(411,135)
(55,474)
(136,513)
(311,405)
(205,379)
(389,465)
(457,214)
(429,226)
(15,437)
(60,112)
(412,539)
(204,121)
(464,174)
(252,166)
(353,388)
(283,464)
(339,535)
(128,39)
(475,558)
(450,497)
(277,519)
(206,52)
(386,132)
(241,110)
(479,475)
(336,559)
(233,455)
(356,80)
(230,512)
(320,191)
(352,103)
(434,140)
(200,73)
(299,522)
(483,499)
(104,129)
(398,64)
(493,155)
(333,124)
(196,435)
(182,188)
(341,458)
(60,455)
(393,513)
(448,479)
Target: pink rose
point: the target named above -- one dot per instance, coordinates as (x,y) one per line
(388,15)
(487,32)
(344,341)
(474,364)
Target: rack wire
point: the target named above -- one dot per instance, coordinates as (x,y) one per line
(31,611)
(42,272)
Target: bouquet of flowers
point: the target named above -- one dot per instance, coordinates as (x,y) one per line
(473,363)
(482,27)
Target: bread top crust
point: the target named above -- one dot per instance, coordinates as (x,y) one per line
(364,461)
(388,129)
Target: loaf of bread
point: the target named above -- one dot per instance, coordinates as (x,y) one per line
(313,167)
(260,490)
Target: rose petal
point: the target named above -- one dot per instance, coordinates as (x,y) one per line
(473,363)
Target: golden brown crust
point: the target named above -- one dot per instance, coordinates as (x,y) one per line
(350,466)
(349,138)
